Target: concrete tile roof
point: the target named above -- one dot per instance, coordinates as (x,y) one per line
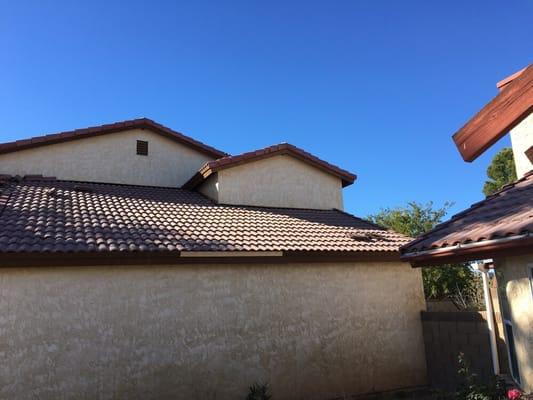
(45,215)
(505,214)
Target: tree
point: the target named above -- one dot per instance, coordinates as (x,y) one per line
(501,171)
(455,281)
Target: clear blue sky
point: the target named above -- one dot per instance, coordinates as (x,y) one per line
(376,87)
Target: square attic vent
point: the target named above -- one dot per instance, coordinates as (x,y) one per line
(142,148)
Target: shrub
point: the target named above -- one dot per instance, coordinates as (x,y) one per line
(259,391)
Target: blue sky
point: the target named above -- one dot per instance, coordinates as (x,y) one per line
(376,87)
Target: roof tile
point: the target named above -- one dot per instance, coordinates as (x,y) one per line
(39,215)
(506,213)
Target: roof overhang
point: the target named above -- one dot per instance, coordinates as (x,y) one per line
(141,123)
(178,258)
(501,247)
(498,117)
(212,167)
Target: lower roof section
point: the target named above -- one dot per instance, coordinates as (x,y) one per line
(52,220)
(500,225)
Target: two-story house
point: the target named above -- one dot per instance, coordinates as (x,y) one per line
(139,263)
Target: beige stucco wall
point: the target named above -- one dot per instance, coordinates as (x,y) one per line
(208,331)
(279,181)
(110,158)
(522,139)
(516,295)
(209,188)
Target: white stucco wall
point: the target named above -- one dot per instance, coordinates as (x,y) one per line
(522,140)
(516,295)
(279,181)
(110,158)
(208,331)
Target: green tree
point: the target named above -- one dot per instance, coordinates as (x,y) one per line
(501,171)
(448,281)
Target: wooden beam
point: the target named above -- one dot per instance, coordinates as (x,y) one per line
(499,116)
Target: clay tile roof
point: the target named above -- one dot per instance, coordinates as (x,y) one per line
(507,214)
(278,149)
(499,116)
(47,216)
(142,123)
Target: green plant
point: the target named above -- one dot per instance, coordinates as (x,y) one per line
(259,391)
(472,389)
(500,172)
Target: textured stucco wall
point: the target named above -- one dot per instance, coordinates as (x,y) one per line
(516,295)
(279,181)
(110,158)
(522,139)
(208,331)
(209,188)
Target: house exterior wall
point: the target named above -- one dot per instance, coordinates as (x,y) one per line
(209,188)
(516,296)
(522,140)
(110,158)
(313,331)
(279,181)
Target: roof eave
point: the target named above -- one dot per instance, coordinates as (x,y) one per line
(78,134)
(508,246)
(58,259)
(212,167)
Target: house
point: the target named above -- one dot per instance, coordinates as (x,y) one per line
(501,226)
(139,263)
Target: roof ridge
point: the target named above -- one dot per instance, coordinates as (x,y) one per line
(96,130)
(234,160)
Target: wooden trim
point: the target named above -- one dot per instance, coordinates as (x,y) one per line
(456,255)
(226,254)
(173,258)
(499,116)
(529,154)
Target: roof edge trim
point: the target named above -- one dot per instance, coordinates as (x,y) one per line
(211,167)
(84,133)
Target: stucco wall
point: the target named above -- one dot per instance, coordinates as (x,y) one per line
(279,181)
(522,139)
(110,158)
(208,331)
(516,296)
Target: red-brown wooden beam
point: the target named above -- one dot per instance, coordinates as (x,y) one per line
(499,116)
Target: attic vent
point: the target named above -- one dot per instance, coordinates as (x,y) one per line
(142,148)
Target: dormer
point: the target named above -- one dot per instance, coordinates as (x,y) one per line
(277,176)
(135,152)
(510,111)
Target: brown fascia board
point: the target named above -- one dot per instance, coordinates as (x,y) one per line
(499,116)
(141,123)
(173,258)
(211,167)
(460,255)
(529,153)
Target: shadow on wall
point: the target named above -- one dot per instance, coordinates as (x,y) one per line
(446,335)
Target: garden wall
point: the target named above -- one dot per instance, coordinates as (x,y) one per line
(446,334)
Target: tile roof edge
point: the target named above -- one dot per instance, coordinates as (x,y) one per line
(82,133)
(472,207)
(230,161)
